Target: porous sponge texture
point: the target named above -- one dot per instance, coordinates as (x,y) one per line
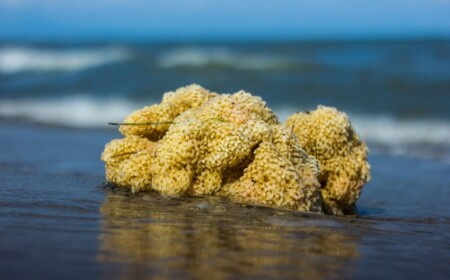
(273,180)
(205,142)
(198,143)
(327,135)
(128,161)
(158,117)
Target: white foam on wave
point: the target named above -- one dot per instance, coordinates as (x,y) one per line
(77,111)
(412,137)
(84,111)
(384,129)
(17,59)
(202,57)
(390,131)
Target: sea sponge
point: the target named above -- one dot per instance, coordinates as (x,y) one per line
(280,174)
(203,143)
(289,147)
(128,161)
(327,135)
(158,117)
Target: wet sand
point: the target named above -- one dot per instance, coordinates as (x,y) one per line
(58,221)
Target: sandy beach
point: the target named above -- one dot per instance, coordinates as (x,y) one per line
(60,221)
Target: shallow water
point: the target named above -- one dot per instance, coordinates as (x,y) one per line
(59,221)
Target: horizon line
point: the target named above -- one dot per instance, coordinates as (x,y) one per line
(224,39)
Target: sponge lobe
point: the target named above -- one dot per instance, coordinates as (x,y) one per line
(327,135)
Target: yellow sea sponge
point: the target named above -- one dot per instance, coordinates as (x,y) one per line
(272,179)
(175,158)
(196,142)
(237,108)
(327,135)
(128,161)
(227,152)
(288,145)
(136,171)
(204,142)
(161,115)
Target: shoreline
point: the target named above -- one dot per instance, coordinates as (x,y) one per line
(59,222)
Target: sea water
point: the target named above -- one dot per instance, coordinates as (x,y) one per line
(396,93)
(59,220)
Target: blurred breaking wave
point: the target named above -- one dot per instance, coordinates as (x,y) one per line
(396,93)
(18,59)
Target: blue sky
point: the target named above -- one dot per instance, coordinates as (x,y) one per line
(226,19)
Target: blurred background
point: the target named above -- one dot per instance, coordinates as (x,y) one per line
(86,63)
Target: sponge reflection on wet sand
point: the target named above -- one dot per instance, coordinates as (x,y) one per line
(148,235)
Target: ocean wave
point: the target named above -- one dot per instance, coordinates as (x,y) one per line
(17,59)
(383,129)
(221,57)
(85,111)
(390,130)
(410,137)
(78,111)
(416,138)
